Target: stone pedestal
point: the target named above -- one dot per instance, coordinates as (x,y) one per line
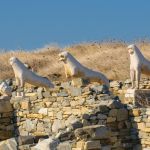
(139,97)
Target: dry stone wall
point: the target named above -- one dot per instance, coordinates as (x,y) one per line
(80,118)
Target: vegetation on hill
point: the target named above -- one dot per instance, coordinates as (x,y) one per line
(111,58)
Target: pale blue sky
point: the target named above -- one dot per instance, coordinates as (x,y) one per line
(30,24)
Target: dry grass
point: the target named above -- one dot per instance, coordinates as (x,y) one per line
(110,58)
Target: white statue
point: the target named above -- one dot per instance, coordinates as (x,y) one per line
(22,75)
(138,64)
(5,89)
(74,69)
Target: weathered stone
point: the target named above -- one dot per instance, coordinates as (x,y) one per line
(111,119)
(5,134)
(70,120)
(108,147)
(59,115)
(64,146)
(40,127)
(67,110)
(9,144)
(39,92)
(101,132)
(66,103)
(47,144)
(135,112)
(100,89)
(66,85)
(62,94)
(57,125)
(75,91)
(114,84)
(25,104)
(30,125)
(113,112)
(23,140)
(80,144)
(43,111)
(91,145)
(122,114)
(5,106)
(95,132)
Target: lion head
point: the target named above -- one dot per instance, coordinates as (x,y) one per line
(131,49)
(63,56)
(13,60)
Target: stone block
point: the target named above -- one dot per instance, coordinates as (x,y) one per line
(75,91)
(43,111)
(46,94)
(111,119)
(130,93)
(78,82)
(91,145)
(30,125)
(96,132)
(5,106)
(113,112)
(135,112)
(23,140)
(122,114)
(62,94)
(9,144)
(80,144)
(57,125)
(25,104)
(67,110)
(64,146)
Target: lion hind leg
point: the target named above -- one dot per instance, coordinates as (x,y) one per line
(138,75)
(132,76)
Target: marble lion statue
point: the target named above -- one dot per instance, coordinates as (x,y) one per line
(138,64)
(23,74)
(75,70)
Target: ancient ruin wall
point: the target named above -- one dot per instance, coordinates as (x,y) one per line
(90,116)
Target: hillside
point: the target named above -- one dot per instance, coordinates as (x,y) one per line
(111,58)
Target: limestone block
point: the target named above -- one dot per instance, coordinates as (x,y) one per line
(67,110)
(62,94)
(111,119)
(25,104)
(113,112)
(71,119)
(5,134)
(78,82)
(108,147)
(80,144)
(101,116)
(96,132)
(9,144)
(23,140)
(46,94)
(135,112)
(30,125)
(130,93)
(47,144)
(57,125)
(39,116)
(122,114)
(64,146)
(5,106)
(43,111)
(91,145)
(75,91)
